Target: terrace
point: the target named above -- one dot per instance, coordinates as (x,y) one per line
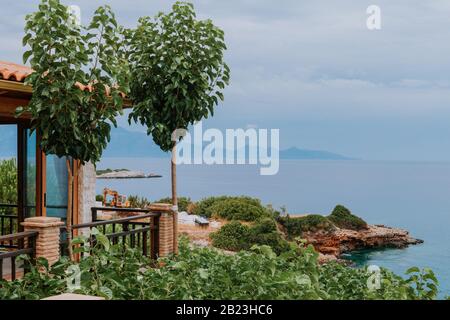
(35,186)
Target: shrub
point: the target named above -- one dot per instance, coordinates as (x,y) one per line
(343,218)
(234,209)
(99,197)
(183,203)
(203,207)
(139,202)
(265,232)
(232,236)
(294,227)
(235,236)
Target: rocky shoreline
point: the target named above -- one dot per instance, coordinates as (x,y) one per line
(331,245)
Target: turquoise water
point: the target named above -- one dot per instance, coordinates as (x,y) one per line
(410,195)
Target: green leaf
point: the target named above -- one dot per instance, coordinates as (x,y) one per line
(26,56)
(413,270)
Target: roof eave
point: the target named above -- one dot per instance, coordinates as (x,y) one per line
(15,86)
(20,87)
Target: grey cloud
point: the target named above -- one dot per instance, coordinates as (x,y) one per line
(298,62)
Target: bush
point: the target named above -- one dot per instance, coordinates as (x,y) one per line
(184,203)
(232,208)
(265,232)
(294,227)
(138,202)
(236,236)
(99,197)
(205,206)
(343,218)
(232,236)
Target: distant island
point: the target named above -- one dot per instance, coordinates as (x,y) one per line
(296,153)
(126,143)
(123,174)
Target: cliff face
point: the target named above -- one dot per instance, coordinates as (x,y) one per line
(332,244)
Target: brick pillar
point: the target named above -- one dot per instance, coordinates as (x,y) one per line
(166,234)
(166,228)
(47,241)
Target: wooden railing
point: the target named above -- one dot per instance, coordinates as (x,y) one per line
(25,242)
(140,230)
(8,221)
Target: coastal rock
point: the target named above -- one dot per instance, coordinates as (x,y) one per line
(339,241)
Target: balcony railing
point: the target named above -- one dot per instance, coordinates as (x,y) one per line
(25,245)
(140,230)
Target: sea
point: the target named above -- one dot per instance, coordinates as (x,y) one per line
(410,195)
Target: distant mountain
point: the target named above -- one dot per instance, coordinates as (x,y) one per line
(295,153)
(125,143)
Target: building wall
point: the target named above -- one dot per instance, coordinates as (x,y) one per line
(86,192)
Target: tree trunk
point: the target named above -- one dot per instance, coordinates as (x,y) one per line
(174,198)
(69,208)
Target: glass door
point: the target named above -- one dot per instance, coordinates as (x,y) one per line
(30,174)
(55,197)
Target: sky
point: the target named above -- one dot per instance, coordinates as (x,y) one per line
(315,71)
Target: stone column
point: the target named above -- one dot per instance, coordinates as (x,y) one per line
(48,239)
(86,192)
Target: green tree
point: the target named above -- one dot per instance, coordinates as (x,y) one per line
(78,82)
(178,73)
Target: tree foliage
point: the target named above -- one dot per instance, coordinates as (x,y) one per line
(177,71)
(74,121)
(8,181)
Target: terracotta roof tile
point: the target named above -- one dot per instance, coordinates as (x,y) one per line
(14,72)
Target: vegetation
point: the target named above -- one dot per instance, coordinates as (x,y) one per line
(184,203)
(99,197)
(8,181)
(232,208)
(138,202)
(236,236)
(204,273)
(8,191)
(74,123)
(177,71)
(343,218)
(294,227)
(232,236)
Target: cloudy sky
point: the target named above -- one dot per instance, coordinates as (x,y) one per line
(314,70)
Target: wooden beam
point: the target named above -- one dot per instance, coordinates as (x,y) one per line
(15,86)
(8,106)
